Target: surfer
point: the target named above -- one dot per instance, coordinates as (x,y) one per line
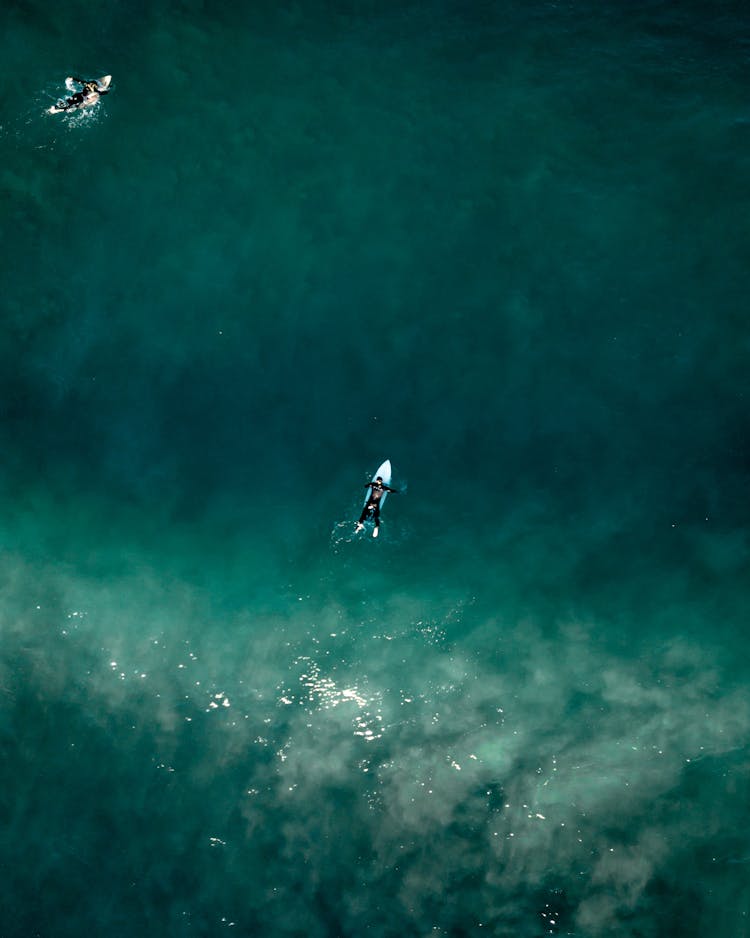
(372,505)
(89,94)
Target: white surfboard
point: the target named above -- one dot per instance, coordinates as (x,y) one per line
(384,471)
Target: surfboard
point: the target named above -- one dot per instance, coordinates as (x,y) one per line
(103,84)
(384,471)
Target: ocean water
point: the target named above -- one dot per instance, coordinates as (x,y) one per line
(504,245)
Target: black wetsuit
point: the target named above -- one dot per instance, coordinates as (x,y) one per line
(372,505)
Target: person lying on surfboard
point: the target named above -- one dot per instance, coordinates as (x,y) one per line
(372,505)
(89,94)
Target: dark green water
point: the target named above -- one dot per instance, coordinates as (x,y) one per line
(504,245)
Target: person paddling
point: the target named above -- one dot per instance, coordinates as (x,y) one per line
(372,506)
(89,94)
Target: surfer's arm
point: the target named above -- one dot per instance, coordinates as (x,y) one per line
(389,489)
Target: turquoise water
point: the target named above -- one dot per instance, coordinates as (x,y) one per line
(504,245)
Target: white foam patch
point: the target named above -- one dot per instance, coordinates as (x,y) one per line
(520,755)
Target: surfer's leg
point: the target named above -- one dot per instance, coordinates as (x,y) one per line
(368,511)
